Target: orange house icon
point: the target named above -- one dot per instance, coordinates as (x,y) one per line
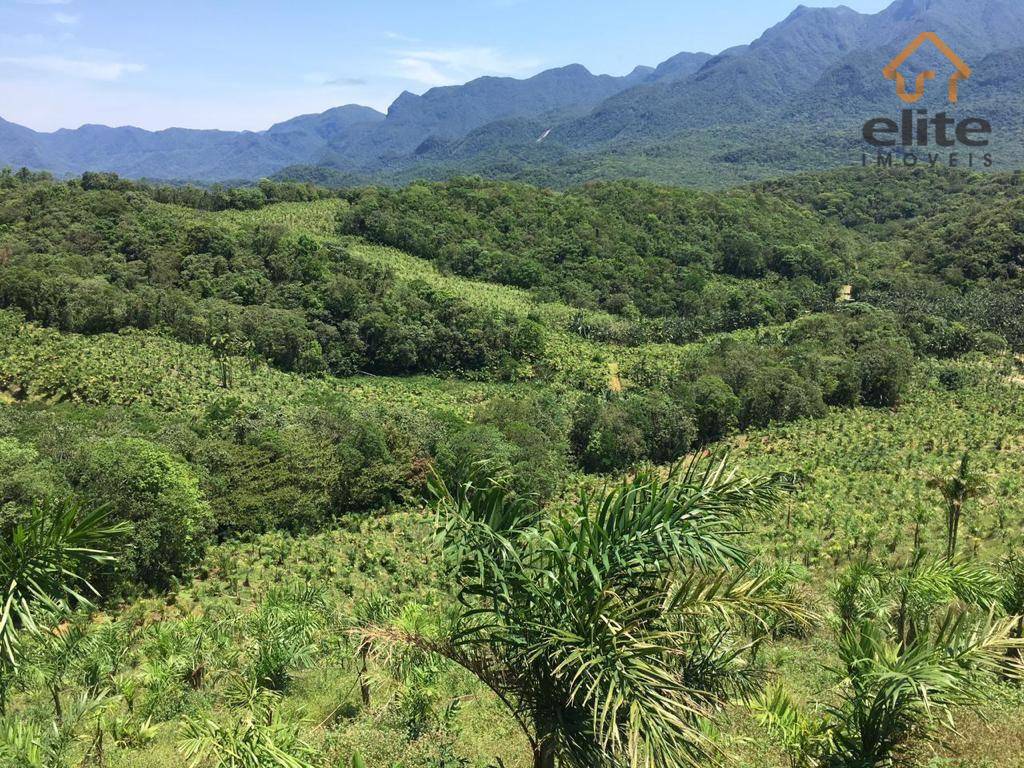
(892,72)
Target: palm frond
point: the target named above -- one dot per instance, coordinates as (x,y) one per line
(40,562)
(614,630)
(894,692)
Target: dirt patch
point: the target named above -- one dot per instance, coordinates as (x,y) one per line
(614,382)
(1018,376)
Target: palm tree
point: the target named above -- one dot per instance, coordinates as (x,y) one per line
(956,490)
(41,562)
(254,739)
(612,631)
(369,610)
(913,644)
(33,744)
(896,695)
(914,599)
(1012,594)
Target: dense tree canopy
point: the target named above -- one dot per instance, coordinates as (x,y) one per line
(93,257)
(627,248)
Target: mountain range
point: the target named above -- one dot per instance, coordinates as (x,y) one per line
(793,99)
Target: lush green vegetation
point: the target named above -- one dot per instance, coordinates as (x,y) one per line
(235,412)
(949,246)
(945,256)
(629,248)
(93,260)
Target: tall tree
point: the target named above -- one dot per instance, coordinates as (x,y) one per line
(611,631)
(956,489)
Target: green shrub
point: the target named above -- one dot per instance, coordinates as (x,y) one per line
(158,494)
(885,372)
(605,437)
(536,428)
(667,425)
(779,394)
(951,377)
(461,450)
(368,477)
(716,408)
(25,478)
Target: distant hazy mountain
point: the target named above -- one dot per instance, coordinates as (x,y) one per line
(178,153)
(792,99)
(329,124)
(679,66)
(416,124)
(352,136)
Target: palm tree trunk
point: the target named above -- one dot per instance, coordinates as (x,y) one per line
(364,684)
(950,546)
(901,621)
(58,709)
(544,754)
(956,531)
(953,534)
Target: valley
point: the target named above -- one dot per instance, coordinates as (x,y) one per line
(272,395)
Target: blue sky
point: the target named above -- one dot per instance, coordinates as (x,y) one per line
(245,64)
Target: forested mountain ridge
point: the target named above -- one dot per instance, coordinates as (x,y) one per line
(358,134)
(793,99)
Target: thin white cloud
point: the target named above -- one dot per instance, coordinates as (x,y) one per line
(88,69)
(30,40)
(347,81)
(423,72)
(45,2)
(450,66)
(483,59)
(324,79)
(66,18)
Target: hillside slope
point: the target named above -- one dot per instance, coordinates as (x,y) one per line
(264,391)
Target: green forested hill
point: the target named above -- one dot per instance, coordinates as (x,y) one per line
(701,312)
(261,384)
